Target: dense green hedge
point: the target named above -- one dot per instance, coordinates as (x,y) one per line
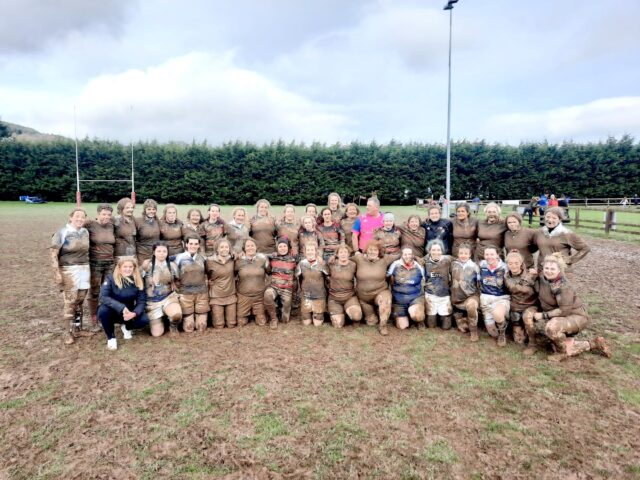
(240,173)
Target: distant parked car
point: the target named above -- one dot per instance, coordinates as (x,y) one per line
(35,199)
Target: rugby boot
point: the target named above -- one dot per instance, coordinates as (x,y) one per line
(473,333)
(599,345)
(531,347)
(95,325)
(502,334)
(432,321)
(492,330)
(446,322)
(462,323)
(173,329)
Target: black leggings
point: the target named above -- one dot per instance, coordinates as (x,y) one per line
(109,318)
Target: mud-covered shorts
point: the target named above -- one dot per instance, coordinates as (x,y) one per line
(438,305)
(312,306)
(194,303)
(155,310)
(402,309)
(488,303)
(338,307)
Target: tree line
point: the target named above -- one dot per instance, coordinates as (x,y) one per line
(242,172)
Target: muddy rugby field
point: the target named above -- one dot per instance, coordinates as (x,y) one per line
(305,402)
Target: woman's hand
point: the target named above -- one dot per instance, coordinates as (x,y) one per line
(128,314)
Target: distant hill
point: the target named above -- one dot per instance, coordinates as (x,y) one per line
(27,134)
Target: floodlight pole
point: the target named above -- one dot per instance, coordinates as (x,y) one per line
(449,6)
(133,187)
(75,134)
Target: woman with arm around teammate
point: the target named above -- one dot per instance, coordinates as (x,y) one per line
(437,287)
(465,293)
(413,235)
(519,239)
(283,268)
(251,268)
(289,227)
(563,313)
(171,230)
(70,265)
(191,228)
(555,237)
(124,228)
(521,285)
(342,299)
(332,234)
(222,285)
(388,236)
(406,276)
(263,228)
(148,230)
(351,213)
(438,228)
(311,273)
(371,285)
(237,231)
(490,231)
(212,229)
(465,229)
(159,276)
(494,295)
(123,301)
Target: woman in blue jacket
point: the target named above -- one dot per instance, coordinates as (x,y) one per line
(122,300)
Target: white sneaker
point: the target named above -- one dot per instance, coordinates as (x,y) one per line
(112,344)
(127,334)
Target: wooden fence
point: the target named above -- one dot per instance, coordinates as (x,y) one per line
(609,221)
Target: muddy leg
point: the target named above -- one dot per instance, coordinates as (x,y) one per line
(337,320)
(417,314)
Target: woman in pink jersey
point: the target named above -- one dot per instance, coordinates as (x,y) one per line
(366,224)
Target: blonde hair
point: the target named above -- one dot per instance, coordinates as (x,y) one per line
(236,210)
(166,209)
(558,259)
(492,204)
(78,209)
(191,210)
(517,255)
(122,203)
(348,206)
(120,280)
(149,202)
(263,200)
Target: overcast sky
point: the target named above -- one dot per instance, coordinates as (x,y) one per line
(325,70)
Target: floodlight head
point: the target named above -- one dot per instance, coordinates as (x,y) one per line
(449,5)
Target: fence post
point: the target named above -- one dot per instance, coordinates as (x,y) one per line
(576,218)
(607,221)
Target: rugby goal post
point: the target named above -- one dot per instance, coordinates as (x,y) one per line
(105,180)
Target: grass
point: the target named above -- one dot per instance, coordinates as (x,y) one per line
(61,210)
(440,452)
(300,402)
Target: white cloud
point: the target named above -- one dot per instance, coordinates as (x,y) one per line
(606,116)
(30,25)
(196,96)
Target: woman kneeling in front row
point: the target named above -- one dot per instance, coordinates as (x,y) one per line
(160,275)
(122,300)
(563,313)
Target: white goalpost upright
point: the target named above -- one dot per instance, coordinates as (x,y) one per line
(106,180)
